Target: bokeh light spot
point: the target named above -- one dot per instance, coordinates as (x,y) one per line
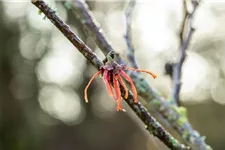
(63,104)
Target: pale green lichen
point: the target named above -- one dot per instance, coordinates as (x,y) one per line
(68,5)
(185,135)
(182,120)
(182,114)
(182,111)
(156,103)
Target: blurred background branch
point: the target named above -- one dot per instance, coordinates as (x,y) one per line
(128,35)
(186,32)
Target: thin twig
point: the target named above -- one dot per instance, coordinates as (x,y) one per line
(186,33)
(169,113)
(152,125)
(183,23)
(128,36)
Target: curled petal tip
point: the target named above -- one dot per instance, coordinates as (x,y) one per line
(141,70)
(85,98)
(154,76)
(126,95)
(123,110)
(120,109)
(86,88)
(135,100)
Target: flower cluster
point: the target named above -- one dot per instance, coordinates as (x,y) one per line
(112,72)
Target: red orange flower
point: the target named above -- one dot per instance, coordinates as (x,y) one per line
(112,73)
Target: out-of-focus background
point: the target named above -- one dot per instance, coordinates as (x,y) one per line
(42,76)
